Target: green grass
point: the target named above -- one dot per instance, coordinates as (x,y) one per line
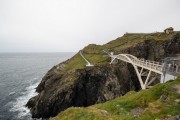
(89,113)
(129,40)
(76,62)
(95,55)
(121,108)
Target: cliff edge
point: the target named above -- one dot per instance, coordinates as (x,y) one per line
(70,83)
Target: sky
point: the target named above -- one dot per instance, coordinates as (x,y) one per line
(70,25)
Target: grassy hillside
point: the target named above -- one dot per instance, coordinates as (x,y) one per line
(94,53)
(160,102)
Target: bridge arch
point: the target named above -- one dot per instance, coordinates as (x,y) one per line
(138,63)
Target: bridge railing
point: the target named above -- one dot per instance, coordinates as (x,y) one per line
(148,64)
(141,62)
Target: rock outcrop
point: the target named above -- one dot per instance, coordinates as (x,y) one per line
(60,89)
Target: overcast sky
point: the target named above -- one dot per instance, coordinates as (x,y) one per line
(69,25)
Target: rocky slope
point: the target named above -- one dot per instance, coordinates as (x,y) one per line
(72,84)
(161,102)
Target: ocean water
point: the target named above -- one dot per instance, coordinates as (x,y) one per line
(20,73)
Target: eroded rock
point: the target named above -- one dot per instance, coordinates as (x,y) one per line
(60,90)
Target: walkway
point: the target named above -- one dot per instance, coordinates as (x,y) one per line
(146,68)
(88,63)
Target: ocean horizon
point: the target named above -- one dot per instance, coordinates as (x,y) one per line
(20,73)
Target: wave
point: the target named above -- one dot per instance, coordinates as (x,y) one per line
(11,93)
(18,106)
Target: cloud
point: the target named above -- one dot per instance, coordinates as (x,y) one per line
(69,25)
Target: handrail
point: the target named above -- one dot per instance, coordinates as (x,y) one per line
(147,64)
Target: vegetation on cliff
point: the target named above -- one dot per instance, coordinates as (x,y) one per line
(72,84)
(94,53)
(160,102)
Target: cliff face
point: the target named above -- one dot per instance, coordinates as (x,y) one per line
(156,50)
(60,89)
(83,87)
(160,102)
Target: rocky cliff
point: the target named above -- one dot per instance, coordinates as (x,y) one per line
(72,84)
(161,102)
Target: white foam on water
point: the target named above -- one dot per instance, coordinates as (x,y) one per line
(11,93)
(19,104)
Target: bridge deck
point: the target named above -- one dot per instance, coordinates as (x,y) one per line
(150,66)
(147,64)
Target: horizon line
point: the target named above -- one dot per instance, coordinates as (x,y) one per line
(39,52)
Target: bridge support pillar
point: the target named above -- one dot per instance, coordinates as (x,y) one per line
(144,82)
(145,78)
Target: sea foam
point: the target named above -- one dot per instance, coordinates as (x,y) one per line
(18,105)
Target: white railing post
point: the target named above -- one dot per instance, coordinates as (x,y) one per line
(177,68)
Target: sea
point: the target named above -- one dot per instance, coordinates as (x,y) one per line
(20,73)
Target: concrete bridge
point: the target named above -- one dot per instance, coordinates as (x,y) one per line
(145,69)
